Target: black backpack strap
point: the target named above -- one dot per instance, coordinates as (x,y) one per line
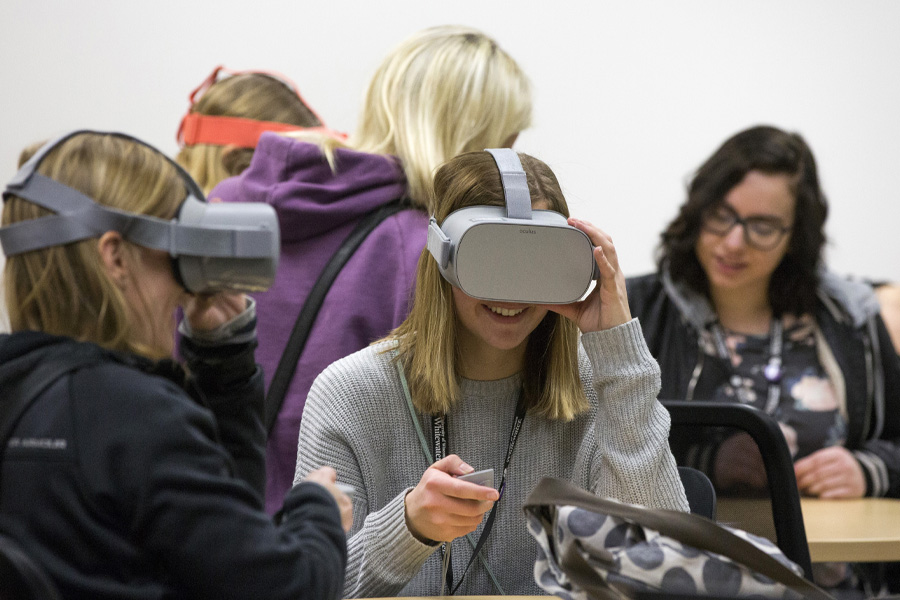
(16,398)
(281,380)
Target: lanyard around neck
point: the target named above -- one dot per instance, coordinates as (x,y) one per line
(428,455)
(439,429)
(774,366)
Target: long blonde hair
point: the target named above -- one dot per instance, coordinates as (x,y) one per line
(250,96)
(443,91)
(64,290)
(426,341)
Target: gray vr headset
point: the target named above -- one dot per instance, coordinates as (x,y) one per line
(513,254)
(218,246)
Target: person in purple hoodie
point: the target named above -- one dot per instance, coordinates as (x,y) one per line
(444,91)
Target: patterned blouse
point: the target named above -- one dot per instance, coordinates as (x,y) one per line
(808,408)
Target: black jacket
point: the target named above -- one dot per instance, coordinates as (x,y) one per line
(122,485)
(847,317)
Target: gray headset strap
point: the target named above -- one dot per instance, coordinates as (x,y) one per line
(78,217)
(438,243)
(515,191)
(515,183)
(29,167)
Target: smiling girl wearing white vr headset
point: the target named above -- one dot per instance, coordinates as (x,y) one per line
(467,383)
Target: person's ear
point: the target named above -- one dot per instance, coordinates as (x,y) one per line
(111,248)
(228,149)
(235,159)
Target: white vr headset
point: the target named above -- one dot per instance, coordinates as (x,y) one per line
(218,246)
(513,254)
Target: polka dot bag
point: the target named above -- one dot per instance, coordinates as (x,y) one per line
(591,548)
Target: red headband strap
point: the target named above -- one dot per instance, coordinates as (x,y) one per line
(222,131)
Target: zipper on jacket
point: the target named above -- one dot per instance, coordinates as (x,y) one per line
(836,313)
(695,374)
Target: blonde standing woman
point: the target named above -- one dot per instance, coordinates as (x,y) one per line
(443,91)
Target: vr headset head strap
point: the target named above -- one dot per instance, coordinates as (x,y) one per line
(515,183)
(79,217)
(219,130)
(515,192)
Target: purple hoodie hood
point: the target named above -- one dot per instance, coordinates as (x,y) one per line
(296,180)
(317,209)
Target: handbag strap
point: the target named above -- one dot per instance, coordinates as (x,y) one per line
(16,398)
(684,527)
(287,365)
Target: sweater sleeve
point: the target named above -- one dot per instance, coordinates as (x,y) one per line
(634,463)
(383,556)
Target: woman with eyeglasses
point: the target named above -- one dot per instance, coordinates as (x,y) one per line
(742,310)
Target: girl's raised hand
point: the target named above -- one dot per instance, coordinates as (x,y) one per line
(206,312)
(607,304)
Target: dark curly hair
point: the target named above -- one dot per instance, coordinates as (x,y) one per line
(792,288)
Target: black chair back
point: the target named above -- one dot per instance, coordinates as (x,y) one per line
(687,420)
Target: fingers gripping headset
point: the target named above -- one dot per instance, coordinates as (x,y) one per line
(219,246)
(513,253)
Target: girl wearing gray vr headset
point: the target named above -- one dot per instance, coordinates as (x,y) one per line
(527,389)
(123,476)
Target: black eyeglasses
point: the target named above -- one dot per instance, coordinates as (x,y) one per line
(762,233)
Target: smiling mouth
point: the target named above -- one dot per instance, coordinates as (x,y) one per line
(506,312)
(729,264)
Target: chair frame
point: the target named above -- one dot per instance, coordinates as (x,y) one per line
(787,514)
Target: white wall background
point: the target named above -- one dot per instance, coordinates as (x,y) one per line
(630,96)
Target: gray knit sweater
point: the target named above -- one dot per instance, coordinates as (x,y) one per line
(356,419)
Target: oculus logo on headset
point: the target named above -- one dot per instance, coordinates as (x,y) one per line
(221,246)
(513,253)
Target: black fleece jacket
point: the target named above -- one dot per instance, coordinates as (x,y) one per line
(122,484)
(860,345)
